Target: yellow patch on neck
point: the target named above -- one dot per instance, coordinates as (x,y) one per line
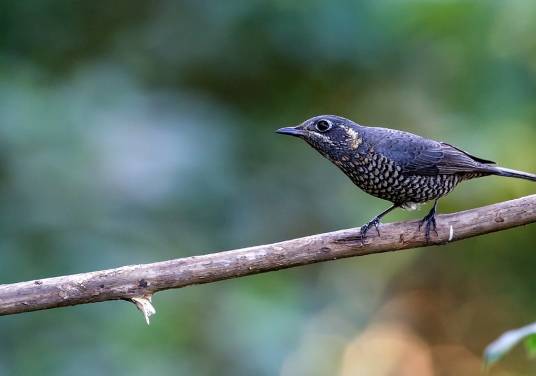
(355,139)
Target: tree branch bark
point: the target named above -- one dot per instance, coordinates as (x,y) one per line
(137,283)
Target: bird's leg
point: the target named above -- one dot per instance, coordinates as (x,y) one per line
(430,222)
(375,222)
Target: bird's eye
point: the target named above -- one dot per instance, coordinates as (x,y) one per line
(323,125)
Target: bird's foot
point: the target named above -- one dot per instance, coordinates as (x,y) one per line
(429,223)
(365,228)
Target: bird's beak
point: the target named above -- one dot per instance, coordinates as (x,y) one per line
(291,131)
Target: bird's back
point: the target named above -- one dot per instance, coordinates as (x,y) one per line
(421,156)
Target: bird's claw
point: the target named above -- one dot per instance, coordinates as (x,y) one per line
(430,224)
(365,228)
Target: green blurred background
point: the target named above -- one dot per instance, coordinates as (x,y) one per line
(137,131)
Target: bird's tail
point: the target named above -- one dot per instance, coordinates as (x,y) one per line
(501,171)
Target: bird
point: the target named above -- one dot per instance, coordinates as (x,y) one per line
(401,167)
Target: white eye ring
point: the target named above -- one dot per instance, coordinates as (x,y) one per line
(323,125)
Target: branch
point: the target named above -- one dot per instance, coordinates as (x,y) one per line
(137,283)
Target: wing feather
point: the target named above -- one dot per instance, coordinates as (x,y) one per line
(420,156)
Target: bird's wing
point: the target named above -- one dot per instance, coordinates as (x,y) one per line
(420,156)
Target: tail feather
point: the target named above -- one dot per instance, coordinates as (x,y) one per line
(502,171)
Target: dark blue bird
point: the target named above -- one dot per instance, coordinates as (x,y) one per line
(393,165)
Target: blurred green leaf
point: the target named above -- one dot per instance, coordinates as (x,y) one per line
(530,346)
(507,341)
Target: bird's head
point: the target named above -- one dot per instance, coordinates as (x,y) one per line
(332,136)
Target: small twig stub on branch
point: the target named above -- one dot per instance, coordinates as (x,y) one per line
(145,306)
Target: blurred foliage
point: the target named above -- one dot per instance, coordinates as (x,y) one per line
(136,131)
(496,350)
(530,345)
